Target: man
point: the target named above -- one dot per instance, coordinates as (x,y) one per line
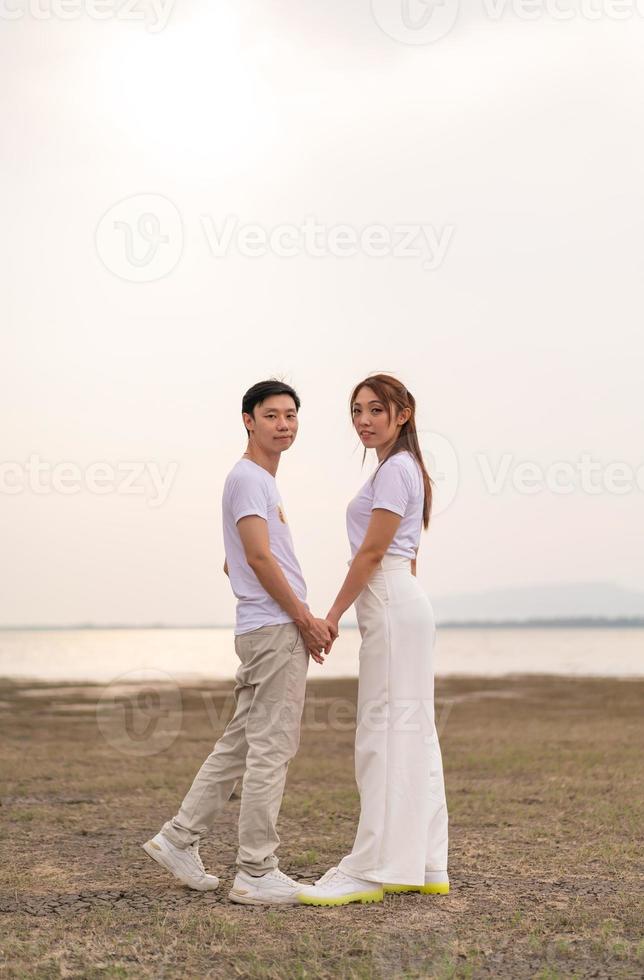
(275,633)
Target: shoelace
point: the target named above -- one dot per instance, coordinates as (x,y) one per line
(197,856)
(276,873)
(327,876)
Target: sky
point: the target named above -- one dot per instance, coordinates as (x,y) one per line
(215,194)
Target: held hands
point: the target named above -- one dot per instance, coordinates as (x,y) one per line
(318,636)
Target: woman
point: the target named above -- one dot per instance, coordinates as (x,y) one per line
(401,841)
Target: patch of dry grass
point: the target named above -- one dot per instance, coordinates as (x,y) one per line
(544,814)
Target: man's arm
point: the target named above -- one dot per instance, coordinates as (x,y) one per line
(253,531)
(226,567)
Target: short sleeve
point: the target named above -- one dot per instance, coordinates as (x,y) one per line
(392,487)
(248,497)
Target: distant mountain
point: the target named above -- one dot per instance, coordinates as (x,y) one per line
(576,622)
(569,601)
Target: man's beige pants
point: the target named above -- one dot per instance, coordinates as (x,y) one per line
(258,744)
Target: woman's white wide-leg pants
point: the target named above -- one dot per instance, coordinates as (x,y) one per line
(402,832)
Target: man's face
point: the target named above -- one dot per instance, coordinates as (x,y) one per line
(273,423)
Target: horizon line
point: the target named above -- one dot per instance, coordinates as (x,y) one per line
(545,621)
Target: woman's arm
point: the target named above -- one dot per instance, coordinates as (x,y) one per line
(380,533)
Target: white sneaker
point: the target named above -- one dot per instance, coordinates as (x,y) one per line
(336,888)
(436,883)
(273,888)
(184,863)
(325,877)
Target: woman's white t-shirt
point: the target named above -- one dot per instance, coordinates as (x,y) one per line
(398,486)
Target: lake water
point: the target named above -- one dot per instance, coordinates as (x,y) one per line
(188,654)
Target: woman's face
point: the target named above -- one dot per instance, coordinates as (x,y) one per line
(371,420)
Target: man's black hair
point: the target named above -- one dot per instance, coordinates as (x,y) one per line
(265,389)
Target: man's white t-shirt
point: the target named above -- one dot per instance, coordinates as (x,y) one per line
(250,489)
(398,486)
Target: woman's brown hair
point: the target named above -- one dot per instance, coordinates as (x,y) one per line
(393,395)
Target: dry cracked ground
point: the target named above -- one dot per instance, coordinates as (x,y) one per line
(545,809)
